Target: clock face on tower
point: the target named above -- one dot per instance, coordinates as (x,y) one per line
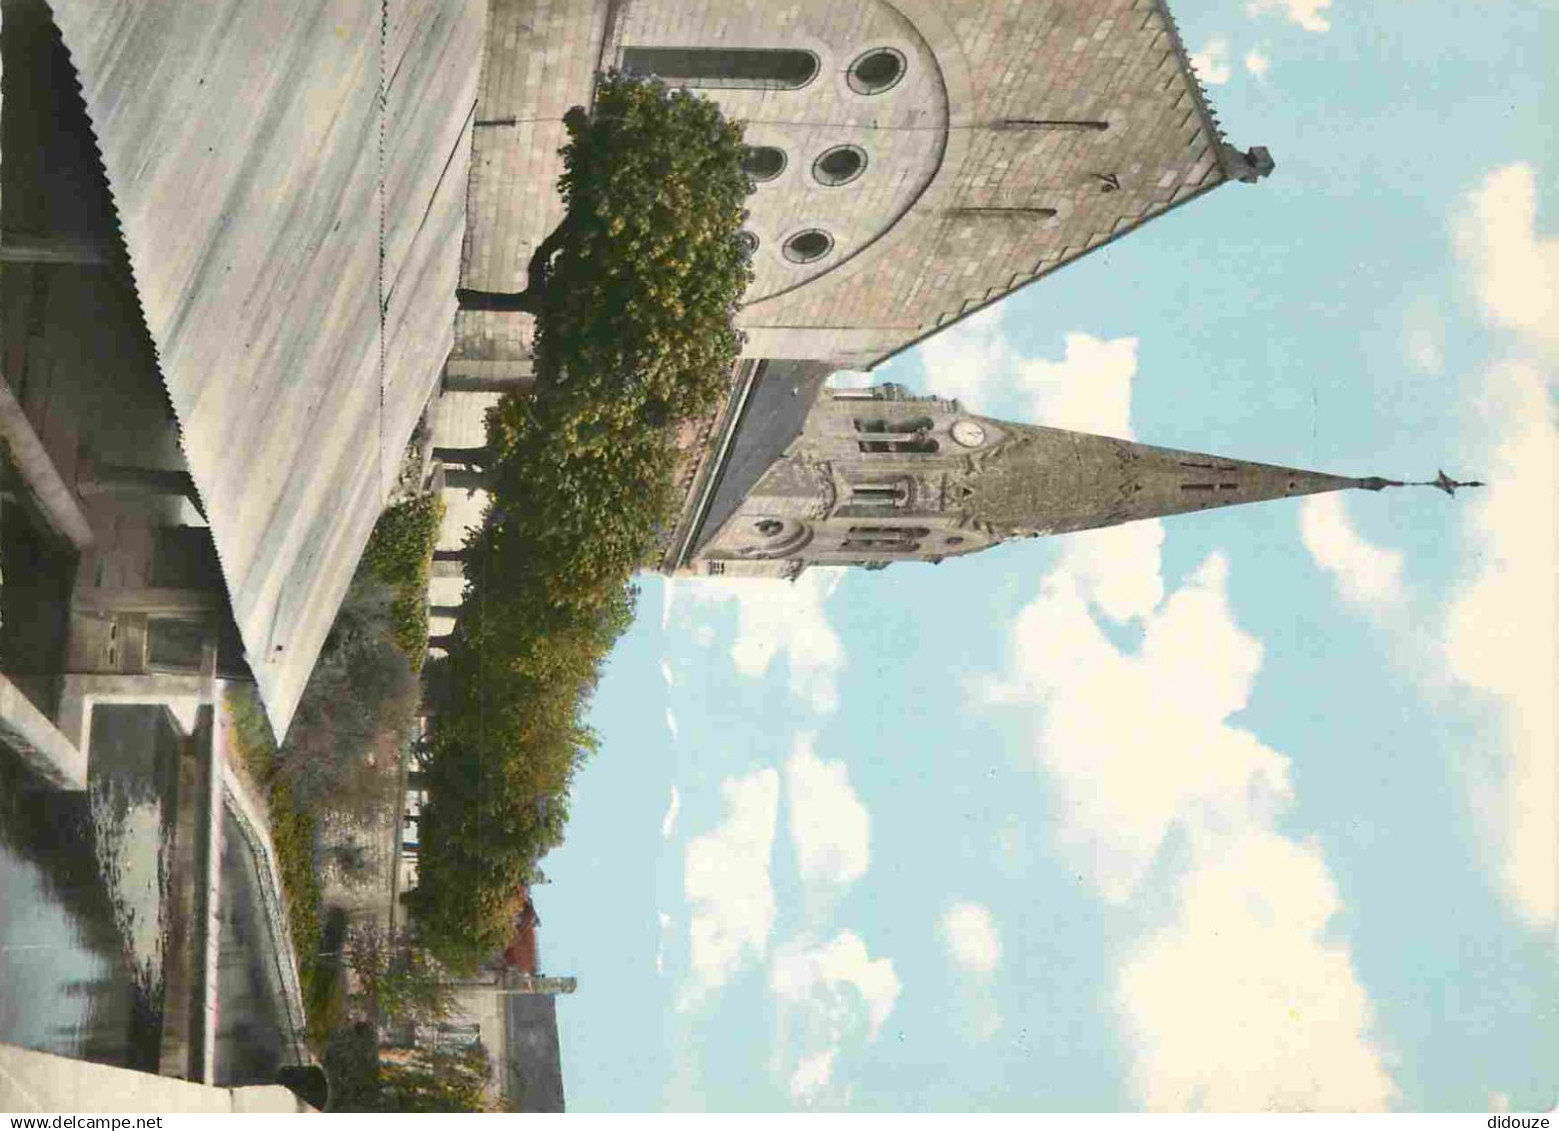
(968,433)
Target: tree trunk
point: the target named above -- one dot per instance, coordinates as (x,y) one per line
(459,479)
(450,555)
(525,301)
(530,299)
(488,383)
(470,457)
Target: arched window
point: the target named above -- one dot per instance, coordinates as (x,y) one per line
(876,71)
(839,165)
(890,495)
(724,67)
(896,436)
(763,162)
(890,533)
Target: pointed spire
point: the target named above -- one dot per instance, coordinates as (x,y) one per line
(1050,481)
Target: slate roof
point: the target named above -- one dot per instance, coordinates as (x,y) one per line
(245,151)
(783,393)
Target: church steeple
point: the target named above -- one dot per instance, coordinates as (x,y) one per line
(868,477)
(1050,481)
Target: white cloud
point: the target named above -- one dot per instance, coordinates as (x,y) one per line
(1423,337)
(664,922)
(1117,567)
(1500,634)
(1515,271)
(1212,62)
(1500,630)
(812,1074)
(1245,1002)
(1364,573)
(1126,775)
(1257,64)
(781,617)
(965,359)
(668,823)
(969,933)
(1089,389)
(827,994)
(830,828)
(1138,744)
(665,673)
(727,885)
(973,942)
(671,723)
(1308,14)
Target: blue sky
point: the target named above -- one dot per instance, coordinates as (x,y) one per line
(1248,809)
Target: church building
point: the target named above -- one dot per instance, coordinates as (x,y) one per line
(914,162)
(868,477)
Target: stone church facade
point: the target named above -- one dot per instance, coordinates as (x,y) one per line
(868,477)
(914,160)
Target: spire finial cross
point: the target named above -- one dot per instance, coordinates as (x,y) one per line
(1441,482)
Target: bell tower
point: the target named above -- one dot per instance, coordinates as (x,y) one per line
(873,476)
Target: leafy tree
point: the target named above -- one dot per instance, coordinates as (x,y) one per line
(634,296)
(637,287)
(399,983)
(419,1080)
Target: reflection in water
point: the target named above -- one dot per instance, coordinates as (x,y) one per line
(250,1047)
(85,903)
(65,982)
(135,753)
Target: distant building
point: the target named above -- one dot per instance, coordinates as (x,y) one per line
(512,1009)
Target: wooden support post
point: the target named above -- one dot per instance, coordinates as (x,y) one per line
(40,745)
(21,247)
(55,500)
(107,477)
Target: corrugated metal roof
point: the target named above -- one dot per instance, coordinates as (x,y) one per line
(244,148)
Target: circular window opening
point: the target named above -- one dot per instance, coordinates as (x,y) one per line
(763,162)
(840,165)
(808,246)
(876,71)
(748,242)
(769,527)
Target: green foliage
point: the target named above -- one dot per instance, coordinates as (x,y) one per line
(422,1080)
(292,831)
(634,335)
(398,554)
(399,984)
(360,700)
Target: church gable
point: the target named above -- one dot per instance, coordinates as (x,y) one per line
(992,144)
